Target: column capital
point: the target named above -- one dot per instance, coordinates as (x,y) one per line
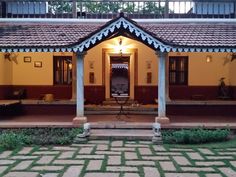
(159,53)
(81,54)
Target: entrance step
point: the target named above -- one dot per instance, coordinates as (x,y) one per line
(112,102)
(121,134)
(113,110)
(119,131)
(120,125)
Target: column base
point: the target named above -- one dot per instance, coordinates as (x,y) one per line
(79,120)
(162,120)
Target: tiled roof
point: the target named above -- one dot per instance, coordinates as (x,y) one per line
(42,34)
(198,34)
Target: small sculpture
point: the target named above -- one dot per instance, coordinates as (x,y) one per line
(86,131)
(223,90)
(156,127)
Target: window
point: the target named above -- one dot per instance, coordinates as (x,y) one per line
(178,70)
(62,70)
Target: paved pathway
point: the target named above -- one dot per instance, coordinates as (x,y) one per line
(118,159)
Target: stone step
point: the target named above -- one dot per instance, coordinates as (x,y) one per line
(145,110)
(120,125)
(131,112)
(113,102)
(121,134)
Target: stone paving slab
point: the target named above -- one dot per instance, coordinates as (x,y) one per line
(94,165)
(5,154)
(181,160)
(197,169)
(151,172)
(47,168)
(207,163)
(121,168)
(118,159)
(155,157)
(22,174)
(131,175)
(131,155)
(213,175)
(140,163)
(181,175)
(73,171)
(23,157)
(7,162)
(167,166)
(25,150)
(45,159)
(23,165)
(114,160)
(181,150)
(205,151)
(66,155)
(195,155)
(102,175)
(108,152)
(117,143)
(2,169)
(102,147)
(68,162)
(50,175)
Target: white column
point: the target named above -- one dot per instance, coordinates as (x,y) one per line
(80,118)
(74,59)
(167,80)
(162,88)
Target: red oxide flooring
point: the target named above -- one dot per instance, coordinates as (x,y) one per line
(132,118)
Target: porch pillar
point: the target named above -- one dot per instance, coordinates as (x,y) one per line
(74,58)
(80,118)
(162,89)
(167,79)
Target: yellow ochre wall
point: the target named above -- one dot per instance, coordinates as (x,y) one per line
(232,73)
(24,73)
(144,54)
(18,72)
(201,73)
(5,71)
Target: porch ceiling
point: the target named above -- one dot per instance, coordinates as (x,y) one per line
(80,36)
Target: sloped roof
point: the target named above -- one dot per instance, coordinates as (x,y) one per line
(43,34)
(182,36)
(198,34)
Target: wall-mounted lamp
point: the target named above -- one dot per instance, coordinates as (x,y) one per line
(208,58)
(70,66)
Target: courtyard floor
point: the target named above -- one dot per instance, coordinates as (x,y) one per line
(119,159)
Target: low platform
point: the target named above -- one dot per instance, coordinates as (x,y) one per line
(174,107)
(9,102)
(121,134)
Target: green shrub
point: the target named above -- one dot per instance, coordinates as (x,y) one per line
(13,138)
(195,136)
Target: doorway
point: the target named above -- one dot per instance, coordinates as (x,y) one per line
(119,75)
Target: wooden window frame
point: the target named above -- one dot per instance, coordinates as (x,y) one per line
(62,78)
(178,71)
